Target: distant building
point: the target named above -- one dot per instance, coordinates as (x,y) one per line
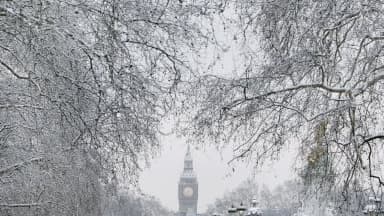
(373,207)
(188,188)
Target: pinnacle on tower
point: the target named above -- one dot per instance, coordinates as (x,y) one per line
(188,155)
(188,161)
(188,187)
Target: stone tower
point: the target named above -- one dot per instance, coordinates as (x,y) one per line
(188,188)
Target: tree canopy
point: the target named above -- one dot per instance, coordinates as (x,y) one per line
(313,80)
(84,85)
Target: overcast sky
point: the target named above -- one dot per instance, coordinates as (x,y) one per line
(213,173)
(215,177)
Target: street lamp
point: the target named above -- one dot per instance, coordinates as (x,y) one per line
(232,210)
(241,209)
(252,211)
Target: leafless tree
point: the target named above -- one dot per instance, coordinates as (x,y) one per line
(83,87)
(314,77)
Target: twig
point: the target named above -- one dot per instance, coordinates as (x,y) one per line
(18,165)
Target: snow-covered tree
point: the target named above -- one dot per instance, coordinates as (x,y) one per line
(84,85)
(312,75)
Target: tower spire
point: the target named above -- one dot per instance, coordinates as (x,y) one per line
(188,187)
(188,154)
(188,161)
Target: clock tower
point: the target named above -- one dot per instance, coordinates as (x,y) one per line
(188,188)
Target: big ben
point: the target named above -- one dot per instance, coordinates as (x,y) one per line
(188,188)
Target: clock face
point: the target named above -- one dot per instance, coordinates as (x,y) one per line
(188,192)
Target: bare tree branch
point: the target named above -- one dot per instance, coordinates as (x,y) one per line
(17,166)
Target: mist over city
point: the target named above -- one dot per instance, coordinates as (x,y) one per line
(191,107)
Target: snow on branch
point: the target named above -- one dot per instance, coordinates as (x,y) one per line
(294,88)
(6,106)
(18,165)
(21,205)
(18,76)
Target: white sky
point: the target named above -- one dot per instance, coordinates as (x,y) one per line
(214,176)
(161,179)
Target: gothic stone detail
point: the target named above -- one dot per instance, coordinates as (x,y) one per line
(188,188)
